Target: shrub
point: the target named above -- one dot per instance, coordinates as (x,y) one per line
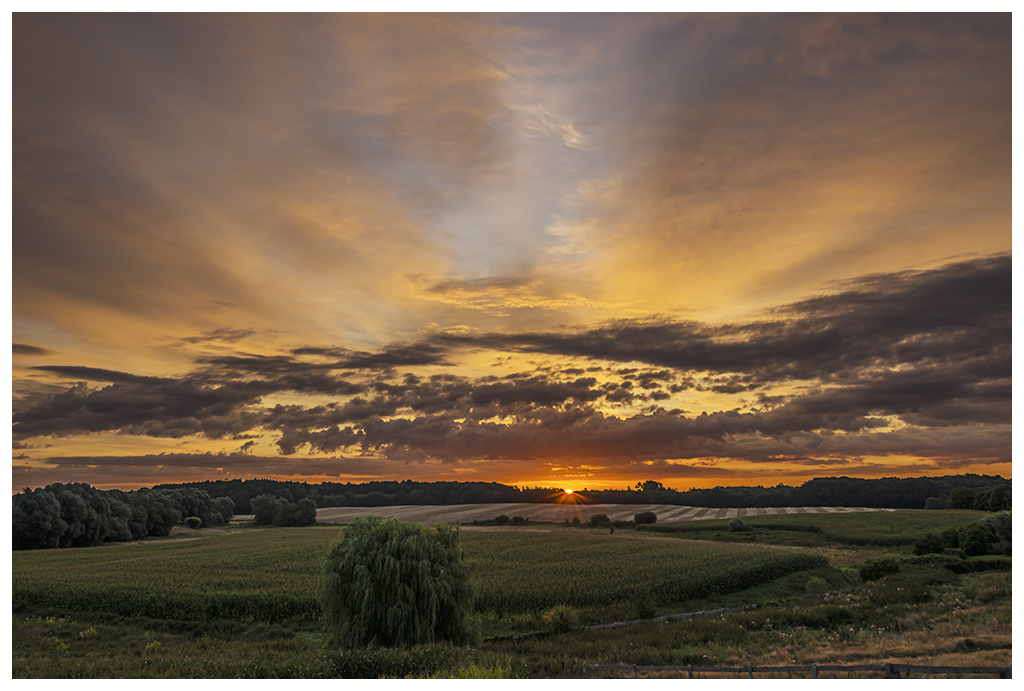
(193,522)
(561,619)
(645,603)
(974,540)
(877,568)
(999,526)
(951,538)
(929,544)
(389,583)
(502,519)
(737,526)
(599,519)
(645,517)
(518,520)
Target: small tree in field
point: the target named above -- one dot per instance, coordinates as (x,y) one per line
(389,583)
(648,517)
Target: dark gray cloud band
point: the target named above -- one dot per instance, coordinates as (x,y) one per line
(915,363)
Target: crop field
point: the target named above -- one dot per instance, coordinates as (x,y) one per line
(269,575)
(521,571)
(853,528)
(240,602)
(565,511)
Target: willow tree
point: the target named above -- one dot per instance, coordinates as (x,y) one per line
(389,583)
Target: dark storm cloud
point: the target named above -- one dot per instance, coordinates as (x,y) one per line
(150,406)
(24,349)
(929,349)
(959,311)
(396,355)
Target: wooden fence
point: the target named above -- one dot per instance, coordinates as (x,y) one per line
(891,670)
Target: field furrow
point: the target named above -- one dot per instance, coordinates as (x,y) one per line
(558,513)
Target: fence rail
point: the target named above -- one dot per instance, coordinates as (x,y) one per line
(892,670)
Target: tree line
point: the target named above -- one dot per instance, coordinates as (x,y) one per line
(78,515)
(983,492)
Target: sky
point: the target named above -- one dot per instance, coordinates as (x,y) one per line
(574,250)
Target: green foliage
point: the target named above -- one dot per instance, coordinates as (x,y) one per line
(561,619)
(990,586)
(271,510)
(974,540)
(645,518)
(77,515)
(644,602)
(36,520)
(193,522)
(929,544)
(501,519)
(951,538)
(599,519)
(878,568)
(962,498)
(738,526)
(999,527)
(518,520)
(388,583)
(910,586)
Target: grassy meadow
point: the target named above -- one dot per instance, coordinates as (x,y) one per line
(240,602)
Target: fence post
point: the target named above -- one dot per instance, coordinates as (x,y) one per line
(750,671)
(814,670)
(689,669)
(634,671)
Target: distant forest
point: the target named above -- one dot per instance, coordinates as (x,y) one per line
(77,515)
(984,492)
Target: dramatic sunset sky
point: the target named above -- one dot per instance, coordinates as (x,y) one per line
(558,250)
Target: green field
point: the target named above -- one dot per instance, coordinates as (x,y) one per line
(525,571)
(241,602)
(269,575)
(881,528)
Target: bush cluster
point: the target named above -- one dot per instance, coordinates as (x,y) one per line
(271,510)
(78,515)
(878,568)
(990,535)
(645,518)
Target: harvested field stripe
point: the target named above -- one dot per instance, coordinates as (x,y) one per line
(558,513)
